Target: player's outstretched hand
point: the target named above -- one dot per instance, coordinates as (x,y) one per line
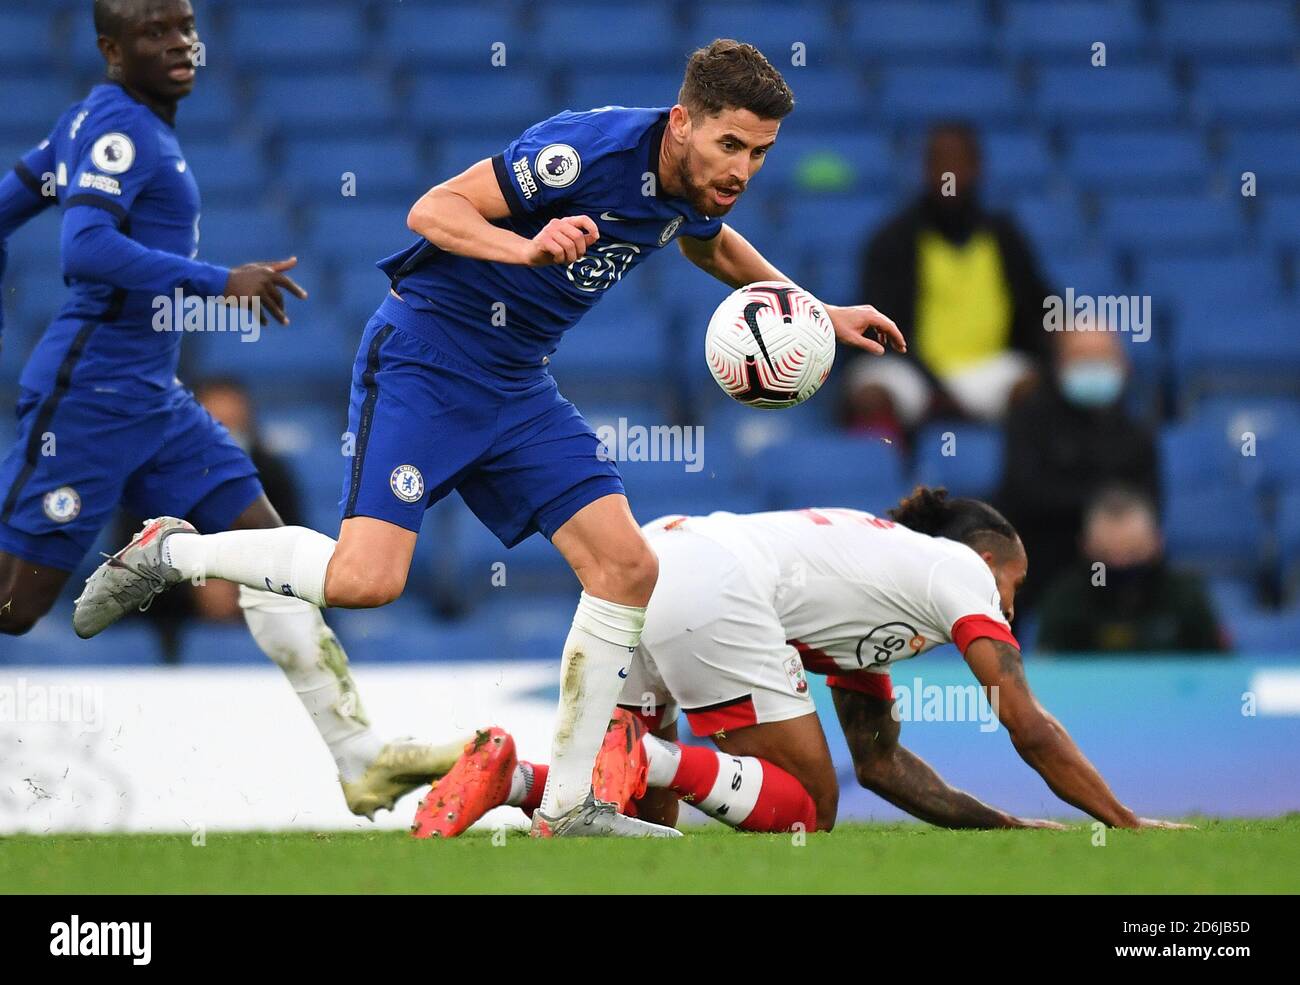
(264,281)
(1038,822)
(563,240)
(863,327)
(1155,822)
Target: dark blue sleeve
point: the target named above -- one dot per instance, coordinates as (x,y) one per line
(551,162)
(94,248)
(116,162)
(21,198)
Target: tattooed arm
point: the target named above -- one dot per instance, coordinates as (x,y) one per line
(903,778)
(1041,740)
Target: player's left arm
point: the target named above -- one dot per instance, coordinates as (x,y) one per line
(1042,741)
(898,775)
(732,259)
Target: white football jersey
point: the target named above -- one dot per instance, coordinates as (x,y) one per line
(858,592)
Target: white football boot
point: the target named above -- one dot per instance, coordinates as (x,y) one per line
(597,819)
(402,765)
(129,579)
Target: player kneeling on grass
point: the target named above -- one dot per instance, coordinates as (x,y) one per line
(745,605)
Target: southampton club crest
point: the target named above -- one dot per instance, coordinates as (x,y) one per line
(558,165)
(62,505)
(407,483)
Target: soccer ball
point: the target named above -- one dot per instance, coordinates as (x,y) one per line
(770,344)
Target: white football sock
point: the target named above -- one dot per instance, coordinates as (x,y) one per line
(284,560)
(600,644)
(662,760)
(294,635)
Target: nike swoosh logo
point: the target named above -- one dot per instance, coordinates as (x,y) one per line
(751,319)
(611,217)
(623,673)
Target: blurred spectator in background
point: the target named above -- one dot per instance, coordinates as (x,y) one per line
(227,400)
(964,286)
(1068,439)
(1121,596)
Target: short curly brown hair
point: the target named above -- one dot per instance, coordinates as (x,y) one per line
(733,75)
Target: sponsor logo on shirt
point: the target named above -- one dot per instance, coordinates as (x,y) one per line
(113,153)
(558,165)
(602,268)
(524,176)
(100,183)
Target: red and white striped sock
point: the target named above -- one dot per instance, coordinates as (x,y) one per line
(742,791)
(526,786)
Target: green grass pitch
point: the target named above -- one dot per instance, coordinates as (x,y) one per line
(1256,856)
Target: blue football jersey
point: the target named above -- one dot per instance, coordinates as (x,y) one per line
(117,163)
(601,163)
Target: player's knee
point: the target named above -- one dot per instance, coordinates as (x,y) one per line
(350,584)
(628,576)
(826,812)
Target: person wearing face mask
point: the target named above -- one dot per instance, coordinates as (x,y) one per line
(1121,596)
(963,283)
(1068,439)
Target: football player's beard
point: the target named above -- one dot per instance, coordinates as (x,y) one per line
(700,196)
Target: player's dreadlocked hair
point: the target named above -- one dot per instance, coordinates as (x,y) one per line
(967,521)
(734,75)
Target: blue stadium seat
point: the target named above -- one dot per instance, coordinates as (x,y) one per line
(833,223)
(439,34)
(52,644)
(1172,225)
(1067,29)
(589,34)
(213,107)
(1257,630)
(220,644)
(1053,224)
(1218,530)
(866,158)
(230,235)
(383,166)
(1146,161)
(1230,596)
(310,441)
(355,232)
(772,28)
(913,95)
(1228,28)
(1250,94)
(1254,350)
(26,41)
(622,343)
(832,470)
(1015,162)
(591,90)
(1202,284)
(325,103)
(326,35)
(1206,453)
(31,108)
(1280,221)
(943,30)
(1090,273)
(1273,155)
(497,102)
(830,97)
(228,170)
(1081,95)
(965,458)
